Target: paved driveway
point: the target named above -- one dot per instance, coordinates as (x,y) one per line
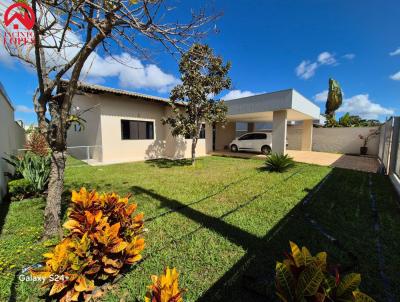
(360,163)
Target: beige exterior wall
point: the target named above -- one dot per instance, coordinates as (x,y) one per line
(307,135)
(91,134)
(343,140)
(334,140)
(12,137)
(116,108)
(294,134)
(104,124)
(225,135)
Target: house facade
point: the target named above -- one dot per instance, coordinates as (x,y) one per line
(12,138)
(124,126)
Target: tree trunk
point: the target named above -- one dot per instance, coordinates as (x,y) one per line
(194,143)
(52,211)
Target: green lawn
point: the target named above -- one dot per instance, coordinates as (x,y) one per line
(223,224)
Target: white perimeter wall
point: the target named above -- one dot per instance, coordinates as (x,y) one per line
(12,137)
(334,140)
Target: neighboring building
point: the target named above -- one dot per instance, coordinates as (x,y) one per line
(12,137)
(124,126)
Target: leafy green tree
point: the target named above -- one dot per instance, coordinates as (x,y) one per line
(203,76)
(335,98)
(348,120)
(66,35)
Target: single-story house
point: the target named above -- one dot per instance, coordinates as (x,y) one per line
(12,137)
(126,126)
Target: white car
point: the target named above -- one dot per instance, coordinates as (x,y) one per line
(253,141)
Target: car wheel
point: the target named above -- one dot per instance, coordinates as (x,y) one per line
(234,148)
(266,149)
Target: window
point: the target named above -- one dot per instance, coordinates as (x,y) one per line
(202,134)
(259,136)
(253,136)
(137,129)
(245,137)
(203,131)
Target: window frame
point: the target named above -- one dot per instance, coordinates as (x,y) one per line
(147,122)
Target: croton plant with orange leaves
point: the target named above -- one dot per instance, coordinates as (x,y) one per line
(103,236)
(165,288)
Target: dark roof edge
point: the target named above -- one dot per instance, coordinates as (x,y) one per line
(91,88)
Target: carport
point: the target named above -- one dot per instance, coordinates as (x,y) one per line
(276,107)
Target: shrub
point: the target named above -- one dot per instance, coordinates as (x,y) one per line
(19,189)
(302,277)
(165,288)
(32,167)
(36,169)
(103,237)
(37,143)
(279,162)
(17,163)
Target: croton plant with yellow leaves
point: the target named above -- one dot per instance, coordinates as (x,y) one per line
(103,236)
(302,277)
(165,288)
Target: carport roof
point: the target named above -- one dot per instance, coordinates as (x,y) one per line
(260,108)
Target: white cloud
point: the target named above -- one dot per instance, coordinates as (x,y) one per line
(306,69)
(130,71)
(237,94)
(326,58)
(363,106)
(395,53)
(321,97)
(349,56)
(396,76)
(24,109)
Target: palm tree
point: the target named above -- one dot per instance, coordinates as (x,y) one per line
(335,98)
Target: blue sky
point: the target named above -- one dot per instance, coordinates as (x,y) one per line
(272,45)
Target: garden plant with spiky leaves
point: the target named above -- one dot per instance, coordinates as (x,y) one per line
(302,277)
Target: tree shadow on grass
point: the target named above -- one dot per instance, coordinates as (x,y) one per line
(252,277)
(168,163)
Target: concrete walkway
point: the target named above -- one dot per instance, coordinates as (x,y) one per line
(359,163)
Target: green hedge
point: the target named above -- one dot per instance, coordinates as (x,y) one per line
(20,189)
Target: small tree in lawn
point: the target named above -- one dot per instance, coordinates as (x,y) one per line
(203,76)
